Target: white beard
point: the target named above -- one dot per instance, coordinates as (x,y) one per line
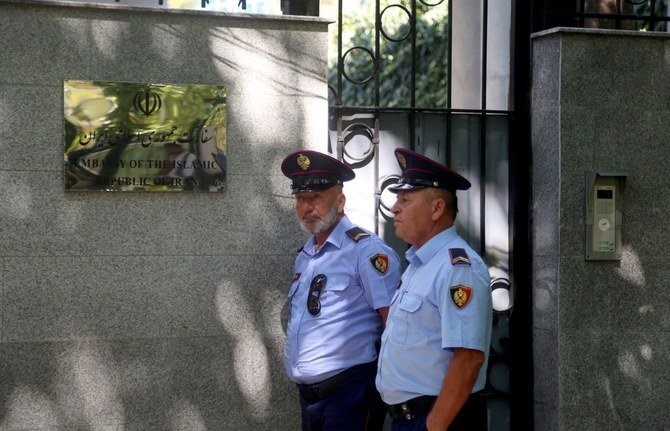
(320,225)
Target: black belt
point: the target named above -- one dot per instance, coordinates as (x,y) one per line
(410,408)
(321,390)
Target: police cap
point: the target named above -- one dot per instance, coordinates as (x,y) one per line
(419,172)
(312,171)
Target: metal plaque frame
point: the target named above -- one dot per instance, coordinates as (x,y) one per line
(122,136)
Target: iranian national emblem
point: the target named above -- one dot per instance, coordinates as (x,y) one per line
(147,102)
(380,262)
(460,295)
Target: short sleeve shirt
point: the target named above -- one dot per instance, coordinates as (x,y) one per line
(361,278)
(443,303)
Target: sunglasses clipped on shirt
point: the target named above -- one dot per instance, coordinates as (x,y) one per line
(315,288)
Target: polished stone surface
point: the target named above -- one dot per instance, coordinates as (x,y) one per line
(600,103)
(151,311)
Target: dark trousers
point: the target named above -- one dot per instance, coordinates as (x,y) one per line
(354,407)
(472,417)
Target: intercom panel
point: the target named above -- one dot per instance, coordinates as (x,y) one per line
(604,219)
(603,203)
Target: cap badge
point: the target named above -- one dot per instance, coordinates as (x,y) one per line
(460,295)
(380,262)
(303,162)
(401,160)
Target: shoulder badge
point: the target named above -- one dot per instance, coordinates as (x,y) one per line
(380,262)
(459,256)
(460,295)
(357,234)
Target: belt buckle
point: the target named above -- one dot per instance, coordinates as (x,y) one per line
(404,408)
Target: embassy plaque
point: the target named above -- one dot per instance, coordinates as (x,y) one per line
(122,136)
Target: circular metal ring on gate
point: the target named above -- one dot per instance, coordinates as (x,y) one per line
(352,131)
(498,375)
(332,91)
(385,183)
(372,59)
(501,294)
(409,27)
(431,4)
(500,341)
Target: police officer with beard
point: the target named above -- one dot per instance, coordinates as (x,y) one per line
(344,277)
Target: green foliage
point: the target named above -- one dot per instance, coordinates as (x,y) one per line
(395,69)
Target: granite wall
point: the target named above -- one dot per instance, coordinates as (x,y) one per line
(151,310)
(600,102)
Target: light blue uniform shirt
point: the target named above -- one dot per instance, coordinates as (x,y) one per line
(348,328)
(425,324)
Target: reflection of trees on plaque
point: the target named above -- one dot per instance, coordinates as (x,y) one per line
(129,137)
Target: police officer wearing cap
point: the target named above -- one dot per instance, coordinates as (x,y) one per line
(436,342)
(344,277)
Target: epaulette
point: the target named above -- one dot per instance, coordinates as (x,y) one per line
(459,256)
(357,234)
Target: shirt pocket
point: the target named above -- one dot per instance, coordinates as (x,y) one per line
(336,295)
(406,305)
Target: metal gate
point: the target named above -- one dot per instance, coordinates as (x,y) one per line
(433,76)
